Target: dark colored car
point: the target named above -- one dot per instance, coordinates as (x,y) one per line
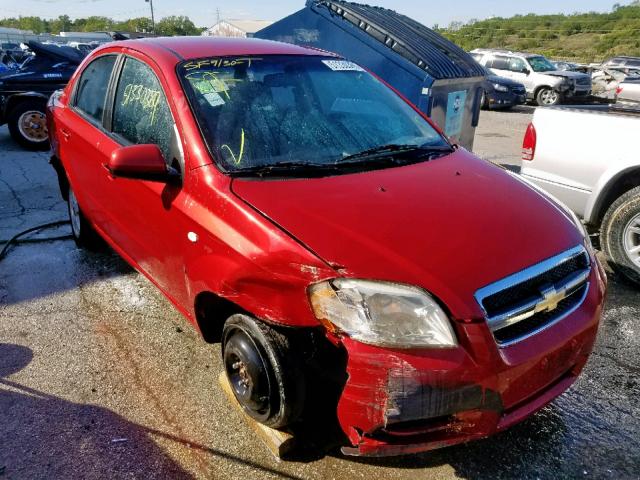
(24,92)
(325,231)
(502,93)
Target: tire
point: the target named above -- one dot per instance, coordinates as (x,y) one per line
(83,233)
(547,97)
(28,124)
(262,370)
(620,235)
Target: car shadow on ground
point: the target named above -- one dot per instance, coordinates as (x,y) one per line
(42,433)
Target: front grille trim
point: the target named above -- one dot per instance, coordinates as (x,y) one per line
(575,282)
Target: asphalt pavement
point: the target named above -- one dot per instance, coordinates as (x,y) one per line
(100,377)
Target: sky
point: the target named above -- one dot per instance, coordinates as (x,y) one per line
(204,12)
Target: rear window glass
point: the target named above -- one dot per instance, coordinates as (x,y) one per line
(92,86)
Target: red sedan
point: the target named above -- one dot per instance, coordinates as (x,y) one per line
(297,209)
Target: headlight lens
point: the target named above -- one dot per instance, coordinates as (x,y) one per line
(382,314)
(500,88)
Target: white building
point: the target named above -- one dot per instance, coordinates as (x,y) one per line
(236,28)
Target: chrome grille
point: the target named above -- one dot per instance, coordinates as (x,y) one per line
(519,90)
(529,301)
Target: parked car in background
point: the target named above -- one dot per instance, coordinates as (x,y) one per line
(318,225)
(626,64)
(565,66)
(13,51)
(25,91)
(588,158)
(629,89)
(545,84)
(605,83)
(502,93)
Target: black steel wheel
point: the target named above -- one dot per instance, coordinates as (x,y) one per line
(263,372)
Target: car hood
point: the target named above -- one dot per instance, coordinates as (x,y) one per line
(567,74)
(450,226)
(507,82)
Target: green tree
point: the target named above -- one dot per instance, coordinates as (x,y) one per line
(61,24)
(176,25)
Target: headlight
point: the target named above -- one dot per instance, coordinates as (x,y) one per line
(500,88)
(382,314)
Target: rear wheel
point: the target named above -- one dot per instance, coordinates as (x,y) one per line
(83,233)
(620,235)
(263,372)
(28,124)
(547,97)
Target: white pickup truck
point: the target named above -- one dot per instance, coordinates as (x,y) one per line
(589,158)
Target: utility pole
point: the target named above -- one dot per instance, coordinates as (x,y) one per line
(153,21)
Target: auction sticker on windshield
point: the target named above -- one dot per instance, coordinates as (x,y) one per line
(343,66)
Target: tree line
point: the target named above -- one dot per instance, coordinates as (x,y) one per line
(584,37)
(172,25)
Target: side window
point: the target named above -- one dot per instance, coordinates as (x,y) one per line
(517,64)
(499,63)
(141,113)
(92,86)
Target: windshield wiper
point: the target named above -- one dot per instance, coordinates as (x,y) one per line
(395,152)
(286,168)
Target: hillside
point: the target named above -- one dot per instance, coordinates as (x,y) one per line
(583,37)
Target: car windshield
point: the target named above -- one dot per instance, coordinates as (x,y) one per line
(299,110)
(541,64)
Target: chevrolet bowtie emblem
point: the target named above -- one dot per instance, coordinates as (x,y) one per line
(550,299)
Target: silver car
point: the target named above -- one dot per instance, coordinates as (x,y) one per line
(545,84)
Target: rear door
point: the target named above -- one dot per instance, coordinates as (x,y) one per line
(83,139)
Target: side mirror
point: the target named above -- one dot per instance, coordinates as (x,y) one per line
(142,162)
(526,71)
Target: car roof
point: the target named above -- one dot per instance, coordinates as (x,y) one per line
(505,52)
(189,48)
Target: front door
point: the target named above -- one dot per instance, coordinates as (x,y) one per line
(154,226)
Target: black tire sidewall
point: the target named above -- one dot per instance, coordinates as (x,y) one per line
(285,373)
(618,216)
(14,116)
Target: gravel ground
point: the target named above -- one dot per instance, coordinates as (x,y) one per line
(101,378)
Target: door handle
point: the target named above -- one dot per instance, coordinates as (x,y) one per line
(65,134)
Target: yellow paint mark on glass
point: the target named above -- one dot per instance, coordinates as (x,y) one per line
(237,160)
(147,98)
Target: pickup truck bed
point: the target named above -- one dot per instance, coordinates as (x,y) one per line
(588,157)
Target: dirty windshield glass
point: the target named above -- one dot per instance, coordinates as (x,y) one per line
(303,110)
(541,64)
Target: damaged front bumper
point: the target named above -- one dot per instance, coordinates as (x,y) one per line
(398,402)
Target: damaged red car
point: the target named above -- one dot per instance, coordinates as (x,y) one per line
(298,210)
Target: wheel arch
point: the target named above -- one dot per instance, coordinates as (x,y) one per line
(613,188)
(63,181)
(14,100)
(211,311)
